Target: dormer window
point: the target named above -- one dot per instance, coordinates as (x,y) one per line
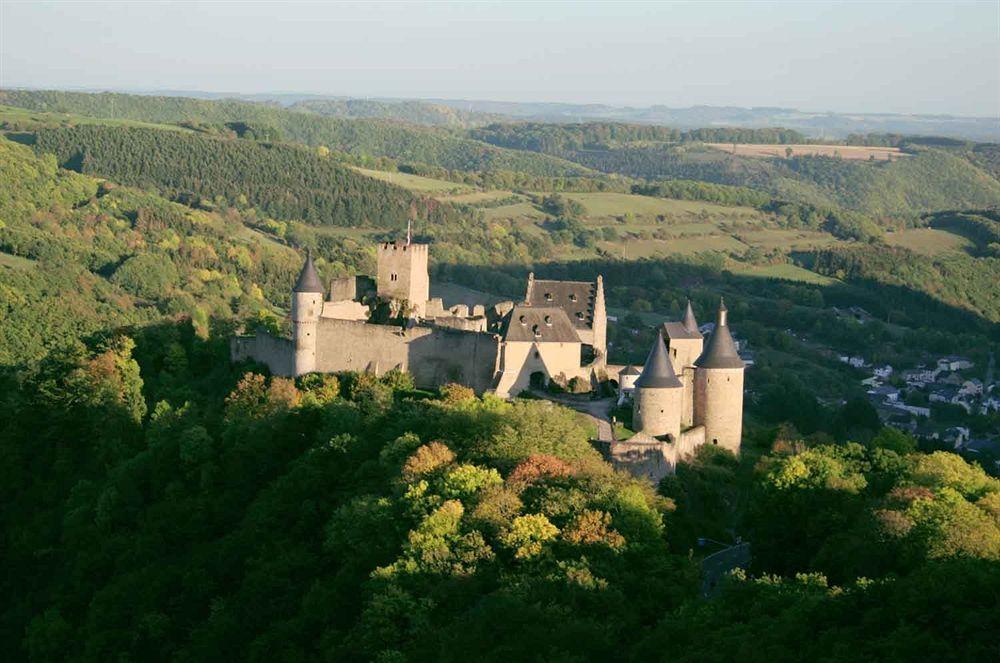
(548,320)
(579,315)
(523,321)
(548,296)
(536,331)
(572,297)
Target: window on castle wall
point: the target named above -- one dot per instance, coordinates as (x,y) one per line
(715,440)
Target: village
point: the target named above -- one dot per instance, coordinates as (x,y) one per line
(905,398)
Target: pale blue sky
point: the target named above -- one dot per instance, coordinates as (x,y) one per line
(924,57)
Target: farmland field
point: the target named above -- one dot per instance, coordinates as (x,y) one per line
(523,210)
(648,248)
(928,241)
(476,197)
(606,204)
(772,238)
(850,152)
(786,271)
(414,182)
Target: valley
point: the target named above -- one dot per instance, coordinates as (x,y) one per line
(329,508)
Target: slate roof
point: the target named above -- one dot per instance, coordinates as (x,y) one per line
(678,330)
(629,370)
(690,323)
(308,278)
(658,373)
(575,297)
(720,351)
(543,324)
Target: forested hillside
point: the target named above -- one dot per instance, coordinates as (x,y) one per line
(556,138)
(283,181)
(413,112)
(950,175)
(929,179)
(358,137)
(162,506)
(78,256)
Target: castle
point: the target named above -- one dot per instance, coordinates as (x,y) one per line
(688,392)
(686,395)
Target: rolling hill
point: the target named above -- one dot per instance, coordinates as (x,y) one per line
(366,138)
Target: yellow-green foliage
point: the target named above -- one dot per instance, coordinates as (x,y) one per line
(97,249)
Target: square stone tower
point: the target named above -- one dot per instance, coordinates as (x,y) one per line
(402,274)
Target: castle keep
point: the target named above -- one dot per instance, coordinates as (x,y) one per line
(688,393)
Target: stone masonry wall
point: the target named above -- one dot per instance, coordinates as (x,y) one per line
(275,353)
(433,356)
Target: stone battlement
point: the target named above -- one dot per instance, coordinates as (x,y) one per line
(402,246)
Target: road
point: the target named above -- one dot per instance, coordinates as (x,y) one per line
(715,566)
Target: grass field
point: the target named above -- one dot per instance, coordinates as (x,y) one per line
(850,152)
(16,262)
(928,241)
(635,249)
(476,197)
(28,119)
(786,271)
(415,182)
(607,205)
(771,238)
(523,210)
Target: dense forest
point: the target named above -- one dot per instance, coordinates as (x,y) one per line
(186,510)
(282,181)
(556,138)
(413,112)
(78,255)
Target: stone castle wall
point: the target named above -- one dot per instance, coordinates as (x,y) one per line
(646,457)
(275,353)
(434,356)
(351,288)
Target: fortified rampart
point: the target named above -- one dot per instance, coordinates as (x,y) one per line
(275,353)
(645,456)
(433,355)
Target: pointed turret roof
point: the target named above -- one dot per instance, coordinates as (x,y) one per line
(308,278)
(658,373)
(720,352)
(690,323)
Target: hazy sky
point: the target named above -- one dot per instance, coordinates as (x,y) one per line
(916,57)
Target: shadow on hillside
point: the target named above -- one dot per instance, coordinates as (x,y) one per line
(648,279)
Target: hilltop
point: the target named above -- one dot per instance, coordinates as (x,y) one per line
(164,503)
(357,137)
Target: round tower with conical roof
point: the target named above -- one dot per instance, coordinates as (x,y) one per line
(307,306)
(657,400)
(718,396)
